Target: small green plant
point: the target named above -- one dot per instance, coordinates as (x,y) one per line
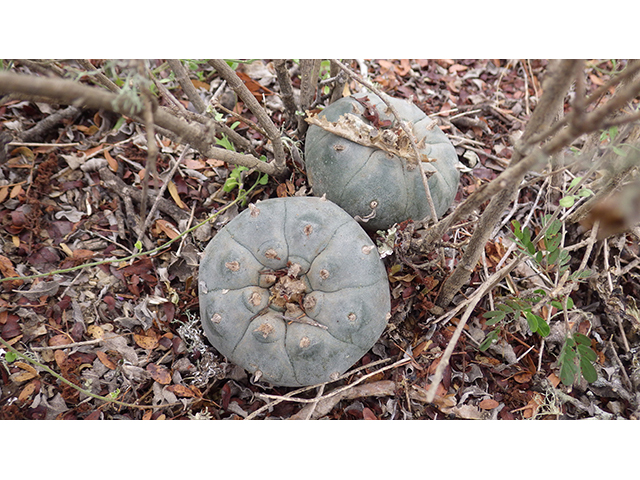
(569,200)
(10,357)
(577,348)
(234,180)
(550,257)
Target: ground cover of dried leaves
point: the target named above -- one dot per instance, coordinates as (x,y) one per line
(129,331)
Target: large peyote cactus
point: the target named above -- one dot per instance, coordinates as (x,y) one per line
(293,288)
(369,182)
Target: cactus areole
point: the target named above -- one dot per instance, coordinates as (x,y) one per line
(369,167)
(293,290)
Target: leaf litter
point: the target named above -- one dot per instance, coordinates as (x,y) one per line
(128,331)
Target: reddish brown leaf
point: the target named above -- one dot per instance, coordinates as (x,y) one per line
(106,361)
(27,372)
(60,339)
(523,377)
(367,414)
(7,270)
(254,87)
(60,357)
(160,374)
(29,390)
(183,391)
(488,404)
(147,342)
(173,190)
(167,228)
(4,191)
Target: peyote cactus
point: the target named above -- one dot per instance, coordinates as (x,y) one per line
(371,184)
(293,290)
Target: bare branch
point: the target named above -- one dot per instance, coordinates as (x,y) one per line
(286,90)
(98,77)
(72,93)
(556,85)
(309,72)
(187,86)
(250,101)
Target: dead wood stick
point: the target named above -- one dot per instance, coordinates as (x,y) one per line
(321,407)
(164,186)
(72,93)
(309,72)
(286,90)
(250,101)
(97,76)
(186,84)
(117,185)
(69,345)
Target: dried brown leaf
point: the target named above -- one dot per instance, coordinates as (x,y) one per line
(146,342)
(173,190)
(488,404)
(106,361)
(183,391)
(159,373)
(58,340)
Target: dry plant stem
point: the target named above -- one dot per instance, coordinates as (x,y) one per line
(310,409)
(250,101)
(471,303)
(286,90)
(152,153)
(76,387)
(98,77)
(72,93)
(381,388)
(159,195)
(38,131)
(488,220)
(338,87)
(338,390)
(117,185)
(535,156)
(309,72)
(149,252)
(69,345)
(625,377)
(186,84)
(215,126)
(403,125)
(290,395)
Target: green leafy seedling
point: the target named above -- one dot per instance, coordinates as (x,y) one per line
(577,347)
(10,357)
